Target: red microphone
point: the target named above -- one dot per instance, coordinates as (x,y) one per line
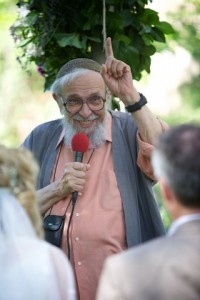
(80,144)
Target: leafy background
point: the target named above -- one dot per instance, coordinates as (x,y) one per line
(47,30)
(25,105)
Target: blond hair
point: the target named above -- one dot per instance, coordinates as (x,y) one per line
(18,172)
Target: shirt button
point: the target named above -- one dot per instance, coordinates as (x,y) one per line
(77,214)
(79,263)
(77,238)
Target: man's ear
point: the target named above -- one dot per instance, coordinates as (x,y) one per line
(165,189)
(56,98)
(168,194)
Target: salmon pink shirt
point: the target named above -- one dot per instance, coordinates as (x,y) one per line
(98,227)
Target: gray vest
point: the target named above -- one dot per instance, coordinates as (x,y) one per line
(142,217)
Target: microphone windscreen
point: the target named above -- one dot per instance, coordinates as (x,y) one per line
(80,142)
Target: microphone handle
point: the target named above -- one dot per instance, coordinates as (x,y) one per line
(74,197)
(78,157)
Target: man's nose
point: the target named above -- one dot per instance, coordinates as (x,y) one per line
(85,110)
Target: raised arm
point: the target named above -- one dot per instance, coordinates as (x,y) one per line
(118,78)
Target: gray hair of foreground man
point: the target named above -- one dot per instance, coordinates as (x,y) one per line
(176,159)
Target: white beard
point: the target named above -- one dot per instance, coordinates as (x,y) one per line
(96,137)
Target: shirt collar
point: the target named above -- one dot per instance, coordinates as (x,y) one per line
(108,128)
(61,138)
(182,220)
(108,131)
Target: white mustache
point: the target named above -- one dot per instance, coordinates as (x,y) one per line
(96,138)
(90,118)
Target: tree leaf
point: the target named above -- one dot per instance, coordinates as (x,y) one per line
(31,18)
(25,42)
(122,38)
(158,35)
(65,30)
(149,16)
(165,27)
(69,39)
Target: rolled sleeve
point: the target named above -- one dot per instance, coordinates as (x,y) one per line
(145,152)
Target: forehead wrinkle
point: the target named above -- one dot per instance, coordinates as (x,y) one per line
(75,95)
(87,83)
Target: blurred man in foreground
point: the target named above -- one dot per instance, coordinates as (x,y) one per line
(166,268)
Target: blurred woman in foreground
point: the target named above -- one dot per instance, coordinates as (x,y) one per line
(30,268)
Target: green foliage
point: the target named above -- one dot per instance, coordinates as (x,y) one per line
(161,204)
(49,33)
(187,35)
(186,114)
(190,91)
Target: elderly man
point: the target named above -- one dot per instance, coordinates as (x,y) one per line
(115,208)
(167,268)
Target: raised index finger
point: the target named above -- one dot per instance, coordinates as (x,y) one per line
(109,50)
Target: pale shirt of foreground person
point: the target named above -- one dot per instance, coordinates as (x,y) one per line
(98,227)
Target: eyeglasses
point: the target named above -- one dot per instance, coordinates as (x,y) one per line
(74,105)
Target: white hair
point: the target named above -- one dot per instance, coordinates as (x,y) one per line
(96,137)
(58,84)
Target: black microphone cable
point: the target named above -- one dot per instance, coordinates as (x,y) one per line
(73,201)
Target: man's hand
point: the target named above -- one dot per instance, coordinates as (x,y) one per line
(73,178)
(118,77)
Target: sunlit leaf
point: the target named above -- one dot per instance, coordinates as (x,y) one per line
(165,27)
